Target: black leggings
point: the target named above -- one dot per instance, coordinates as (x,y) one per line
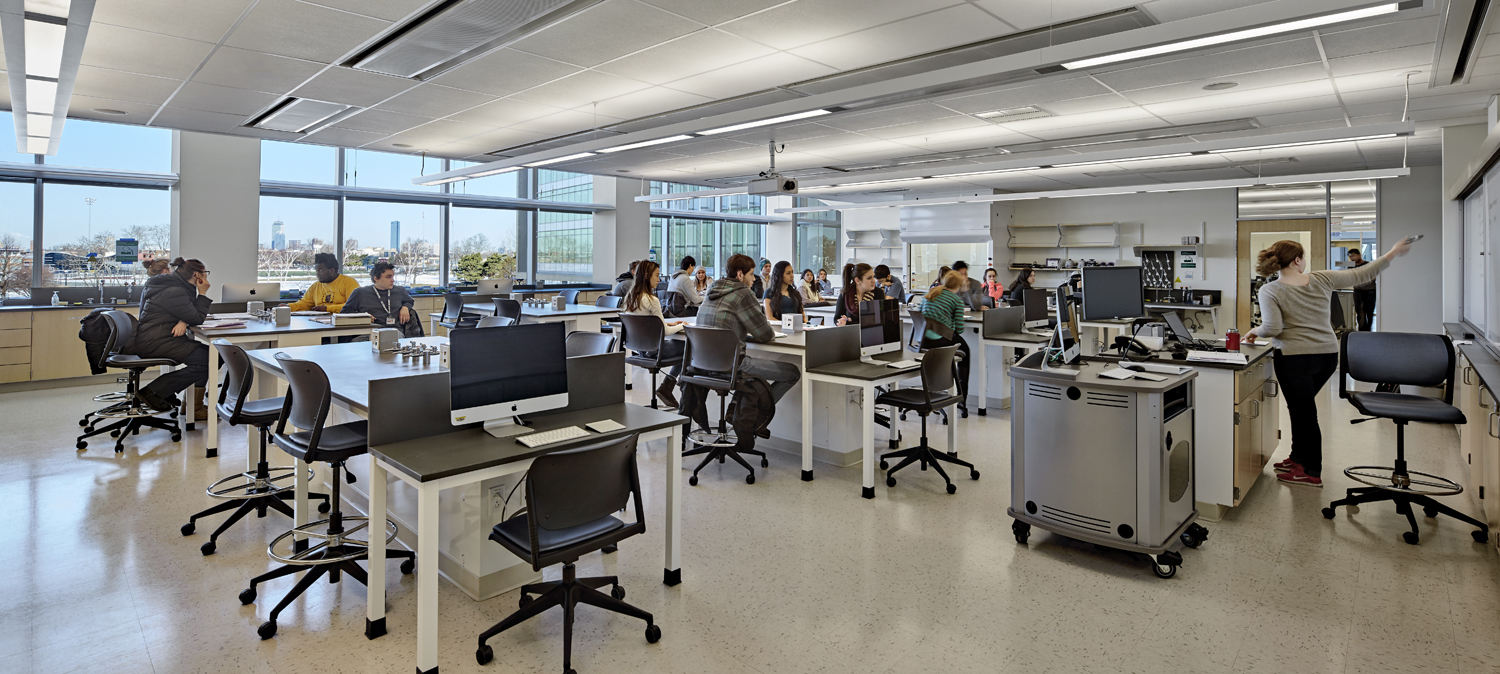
(963,363)
(1301,377)
(194,373)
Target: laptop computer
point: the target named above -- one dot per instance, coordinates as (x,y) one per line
(251,292)
(495,286)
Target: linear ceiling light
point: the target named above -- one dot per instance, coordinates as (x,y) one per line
(494,172)
(765,122)
(557,160)
(645,143)
(983,173)
(44,47)
(1310,142)
(1121,161)
(1252,33)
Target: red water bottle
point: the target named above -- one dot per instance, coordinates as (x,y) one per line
(1232,340)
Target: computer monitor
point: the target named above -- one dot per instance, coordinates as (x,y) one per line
(251,292)
(1113,292)
(497,373)
(1035,301)
(495,286)
(1178,329)
(1065,335)
(879,328)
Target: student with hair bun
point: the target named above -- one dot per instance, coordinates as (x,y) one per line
(1294,311)
(170,304)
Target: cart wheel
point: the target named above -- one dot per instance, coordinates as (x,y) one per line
(1480,535)
(1022,531)
(1190,540)
(890,482)
(693,481)
(1430,512)
(884,465)
(1410,537)
(952,488)
(1162,571)
(1328,513)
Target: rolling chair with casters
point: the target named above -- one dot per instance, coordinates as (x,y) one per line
(914,344)
(646,335)
(676,306)
(265,488)
(132,414)
(509,308)
(306,406)
(588,344)
(610,324)
(937,381)
(98,367)
(570,296)
(572,497)
(1403,359)
(453,316)
(712,361)
(495,322)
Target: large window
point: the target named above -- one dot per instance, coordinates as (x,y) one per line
(697,238)
(573,188)
(15,238)
(406,235)
(367,168)
(818,239)
(488,243)
(511,184)
(564,246)
(291,232)
(298,163)
(82,223)
(114,146)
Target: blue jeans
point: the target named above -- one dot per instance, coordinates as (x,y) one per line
(782,376)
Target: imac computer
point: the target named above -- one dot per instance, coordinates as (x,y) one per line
(494,286)
(251,292)
(879,329)
(497,373)
(1113,293)
(1064,345)
(1036,301)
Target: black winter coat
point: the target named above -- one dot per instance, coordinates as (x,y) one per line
(167,299)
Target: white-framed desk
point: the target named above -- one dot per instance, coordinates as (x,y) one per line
(865,377)
(573,316)
(1026,342)
(303,331)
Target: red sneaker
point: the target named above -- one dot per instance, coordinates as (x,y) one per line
(1286,466)
(1299,477)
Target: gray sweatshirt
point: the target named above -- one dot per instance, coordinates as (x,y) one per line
(683,283)
(367,299)
(1296,318)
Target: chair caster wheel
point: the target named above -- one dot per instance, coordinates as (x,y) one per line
(525,599)
(187,529)
(1430,512)
(750,479)
(952,488)
(266,630)
(114,433)
(617,592)
(82,445)
(609,549)
(119,449)
(903,416)
(973,475)
(83,422)
(890,482)
(176,437)
(208,548)
(1480,536)
(1328,513)
(1410,538)
(653,634)
(884,465)
(324,507)
(963,414)
(693,481)
(765,463)
(484,655)
(982,412)
(408,566)
(721,459)
(247,597)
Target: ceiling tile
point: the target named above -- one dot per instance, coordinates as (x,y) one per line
(344,137)
(389,10)
(905,114)
(196,120)
(141,52)
(1246,81)
(967,138)
(795,24)
(101,83)
(244,69)
(444,131)
(645,103)
(565,122)
(1366,39)
(1167,11)
(352,87)
(1268,107)
(505,72)
(431,100)
(686,56)
(504,138)
(1074,106)
(1128,119)
(214,98)
(1314,115)
(581,89)
(193,19)
(1027,15)
(918,35)
(505,112)
(1070,87)
(1235,98)
(300,30)
(1197,67)
(82,107)
(755,75)
(1413,58)
(605,31)
(714,11)
(799,131)
(382,122)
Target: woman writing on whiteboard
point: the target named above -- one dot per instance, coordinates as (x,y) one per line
(1294,312)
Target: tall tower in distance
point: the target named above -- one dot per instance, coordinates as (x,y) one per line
(395,235)
(278,239)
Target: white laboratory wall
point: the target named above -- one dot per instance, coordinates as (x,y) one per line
(216,204)
(1411,293)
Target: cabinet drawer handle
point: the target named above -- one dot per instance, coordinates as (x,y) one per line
(1466,376)
(1255,405)
(1490,425)
(1482,393)
(1275,388)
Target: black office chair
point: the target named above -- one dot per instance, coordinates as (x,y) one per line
(589,344)
(918,325)
(495,322)
(571,500)
(306,406)
(643,340)
(609,324)
(570,296)
(676,305)
(454,316)
(97,366)
(938,381)
(509,308)
(132,414)
(1403,359)
(265,487)
(712,360)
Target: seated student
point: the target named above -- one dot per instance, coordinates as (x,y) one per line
(731,305)
(859,286)
(783,298)
(762,282)
(971,291)
(944,311)
(808,286)
(701,281)
(682,282)
(992,286)
(889,283)
(170,304)
(825,286)
(332,289)
(623,281)
(1024,282)
(387,303)
(942,274)
(642,301)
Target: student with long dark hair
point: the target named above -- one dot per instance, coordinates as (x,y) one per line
(783,298)
(860,285)
(1024,281)
(641,300)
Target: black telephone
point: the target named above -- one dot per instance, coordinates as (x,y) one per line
(1132,349)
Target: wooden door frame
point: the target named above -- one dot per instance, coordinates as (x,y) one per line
(1317,258)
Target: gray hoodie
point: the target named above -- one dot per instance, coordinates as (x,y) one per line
(682,282)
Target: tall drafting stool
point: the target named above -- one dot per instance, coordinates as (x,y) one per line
(571,499)
(646,335)
(712,360)
(936,393)
(1412,360)
(132,414)
(306,406)
(265,487)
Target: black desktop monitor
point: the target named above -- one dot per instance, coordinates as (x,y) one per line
(1035,301)
(497,373)
(1113,292)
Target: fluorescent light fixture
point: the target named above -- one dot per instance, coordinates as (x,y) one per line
(557,160)
(38,125)
(1236,36)
(764,122)
(1190,189)
(41,96)
(645,143)
(880,182)
(1097,194)
(35,145)
(1120,161)
(1309,142)
(493,172)
(44,46)
(981,173)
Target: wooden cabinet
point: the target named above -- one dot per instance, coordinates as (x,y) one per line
(1257,424)
(56,351)
(1471,434)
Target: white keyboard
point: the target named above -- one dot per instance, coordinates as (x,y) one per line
(552,436)
(1118,373)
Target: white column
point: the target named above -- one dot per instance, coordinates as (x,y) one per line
(623,235)
(216,204)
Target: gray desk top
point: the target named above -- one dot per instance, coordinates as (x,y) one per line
(858,369)
(571,310)
(792,341)
(1485,365)
(351,367)
(1180,305)
(1088,375)
(298,324)
(439,456)
(1253,354)
(1025,337)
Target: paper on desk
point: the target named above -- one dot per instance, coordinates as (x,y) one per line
(309,313)
(1217,357)
(221,325)
(230,317)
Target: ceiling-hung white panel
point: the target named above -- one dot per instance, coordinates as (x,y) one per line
(953,223)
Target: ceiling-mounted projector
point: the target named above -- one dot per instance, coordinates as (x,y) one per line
(773,183)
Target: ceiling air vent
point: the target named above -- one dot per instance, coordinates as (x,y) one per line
(456,31)
(1013,114)
(301,115)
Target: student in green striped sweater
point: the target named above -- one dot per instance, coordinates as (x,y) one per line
(944,310)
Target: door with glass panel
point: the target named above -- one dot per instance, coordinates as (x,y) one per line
(1257,235)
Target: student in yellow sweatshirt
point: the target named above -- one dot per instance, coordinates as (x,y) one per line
(331,290)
